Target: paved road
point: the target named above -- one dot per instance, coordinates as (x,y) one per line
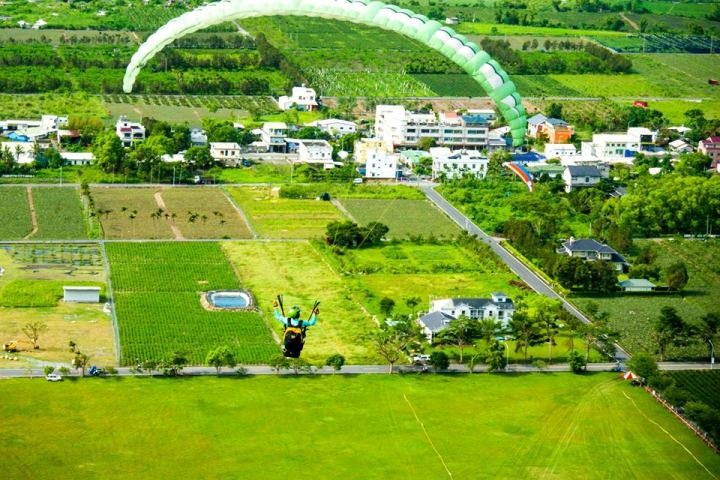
(527,275)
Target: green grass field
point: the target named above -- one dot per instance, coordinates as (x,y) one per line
(403,217)
(126,203)
(59,213)
(299,272)
(158,287)
(421,427)
(634,315)
(274,217)
(15,212)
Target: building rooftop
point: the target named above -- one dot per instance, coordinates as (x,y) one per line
(584,171)
(636,282)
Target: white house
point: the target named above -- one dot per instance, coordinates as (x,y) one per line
(576,176)
(227,153)
(81,294)
(563,151)
(381,164)
(619,147)
(335,126)
(403,128)
(680,146)
(129,132)
(365,148)
(77,158)
(457,163)
(273,135)
(198,138)
(499,307)
(590,250)
(22,152)
(39,24)
(312,152)
(303,98)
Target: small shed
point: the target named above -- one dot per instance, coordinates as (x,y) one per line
(637,285)
(81,294)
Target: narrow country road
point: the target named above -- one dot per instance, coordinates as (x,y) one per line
(527,275)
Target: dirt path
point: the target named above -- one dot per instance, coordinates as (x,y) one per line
(634,25)
(33,218)
(161,203)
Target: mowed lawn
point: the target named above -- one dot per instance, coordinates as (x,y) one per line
(127,213)
(634,315)
(299,272)
(403,217)
(158,289)
(15,213)
(558,426)
(274,217)
(204,212)
(59,213)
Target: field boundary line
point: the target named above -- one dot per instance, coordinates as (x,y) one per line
(442,460)
(111,294)
(670,435)
(342,209)
(33,216)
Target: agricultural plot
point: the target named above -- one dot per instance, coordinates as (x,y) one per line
(296,270)
(701,385)
(403,217)
(203,213)
(540,423)
(452,85)
(15,212)
(157,299)
(634,315)
(31,289)
(127,213)
(274,217)
(59,213)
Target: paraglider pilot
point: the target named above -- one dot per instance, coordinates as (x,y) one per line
(295,327)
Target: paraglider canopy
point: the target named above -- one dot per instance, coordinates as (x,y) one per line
(471,58)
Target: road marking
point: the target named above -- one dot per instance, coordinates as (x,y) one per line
(669,435)
(428,437)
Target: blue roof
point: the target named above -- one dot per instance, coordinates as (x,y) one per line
(527,157)
(476,118)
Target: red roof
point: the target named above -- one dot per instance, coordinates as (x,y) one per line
(126,129)
(714,139)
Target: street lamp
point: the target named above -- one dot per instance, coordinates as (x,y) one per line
(712,353)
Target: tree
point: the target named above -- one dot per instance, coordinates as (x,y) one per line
(555,111)
(571,323)
(709,329)
(439,360)
(526,332)
(600,335)
(173,366)
(676,276)
(336,361)
(48,369)
(220,357)
(299,365)
(460,332)
(547,321)
(669,328)
(279,362)
(33,330)
(80,361)
(387,305)
(199,157)
(644,365)
(426,143)
(395,339)
(496,359)
(495,163)
(109,152)
(412,302)
(575,361)
(488,329)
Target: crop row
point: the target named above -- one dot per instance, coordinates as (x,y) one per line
(196,101)
(702,386)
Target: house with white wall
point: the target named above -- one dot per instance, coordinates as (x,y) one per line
(576,176)
(314,152)
(443,311)
(302,98)
(227,153)
(335,126)
(129,132)
(454,164)
(77,158)
(273,135)
(619,147)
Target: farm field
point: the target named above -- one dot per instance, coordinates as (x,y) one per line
(31,106)
(213,215)
(129,213)
(633,316)
(31,290)
(257,173)
(569,431)
(15,212)
(299,272)
(403,217)
(158,287)
(701,385)
(274,217)
(59,213)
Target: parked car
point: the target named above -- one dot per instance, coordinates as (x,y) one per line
(421,359)
(54,377)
